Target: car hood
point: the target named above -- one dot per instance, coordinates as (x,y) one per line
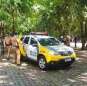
(61,49)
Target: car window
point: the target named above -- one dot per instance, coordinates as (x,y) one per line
(26,40)
(33,41)
(48,41)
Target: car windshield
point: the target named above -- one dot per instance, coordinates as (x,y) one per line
(49,41)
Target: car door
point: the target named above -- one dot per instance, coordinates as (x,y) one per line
(26,44)
(33,49)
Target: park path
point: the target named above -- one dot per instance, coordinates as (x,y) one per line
(10,75)
(30,75)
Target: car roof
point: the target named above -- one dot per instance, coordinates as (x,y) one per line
(38,36)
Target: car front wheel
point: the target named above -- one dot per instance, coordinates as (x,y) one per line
(42,63)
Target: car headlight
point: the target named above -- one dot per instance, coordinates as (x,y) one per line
(53,53)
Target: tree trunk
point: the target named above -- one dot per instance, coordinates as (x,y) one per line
(86,33)
(13,27)
(83,35)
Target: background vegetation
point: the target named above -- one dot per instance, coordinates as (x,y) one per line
(57,17)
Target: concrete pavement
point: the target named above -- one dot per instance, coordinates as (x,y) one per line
(30,75)
(10,75)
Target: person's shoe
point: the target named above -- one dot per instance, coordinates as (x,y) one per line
(18,64)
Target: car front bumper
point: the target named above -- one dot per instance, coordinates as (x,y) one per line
(62,62)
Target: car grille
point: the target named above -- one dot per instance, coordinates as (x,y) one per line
(65,53)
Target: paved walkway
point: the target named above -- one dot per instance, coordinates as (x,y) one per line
(31,75)
(24,75)
(10,75)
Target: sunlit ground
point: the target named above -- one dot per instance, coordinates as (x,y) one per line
(28,74)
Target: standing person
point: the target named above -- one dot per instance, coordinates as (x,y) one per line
(61,39)
(15,47)
(68,38)
(75,40)
(65,40)
(7,45)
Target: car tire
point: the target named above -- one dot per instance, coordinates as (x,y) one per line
(68,64)
(42,63)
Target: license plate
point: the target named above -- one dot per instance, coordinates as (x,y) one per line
(67,59)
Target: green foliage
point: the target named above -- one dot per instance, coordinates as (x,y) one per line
(58,17)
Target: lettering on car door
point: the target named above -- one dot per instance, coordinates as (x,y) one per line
(33,49)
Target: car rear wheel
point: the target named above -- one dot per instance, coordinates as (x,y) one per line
(42,63)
